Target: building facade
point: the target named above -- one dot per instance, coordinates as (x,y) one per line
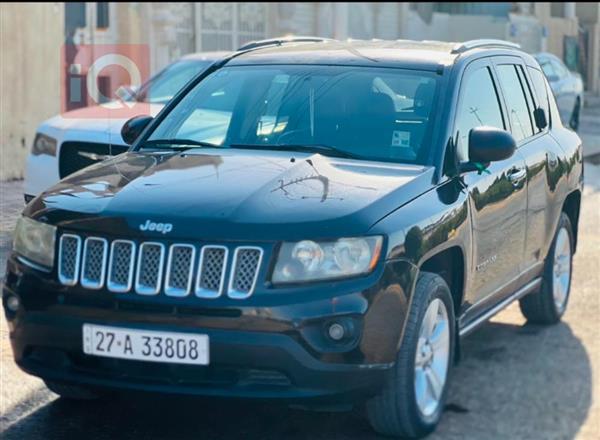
(32,35)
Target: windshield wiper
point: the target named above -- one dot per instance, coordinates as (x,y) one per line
(185,144)
(326,150)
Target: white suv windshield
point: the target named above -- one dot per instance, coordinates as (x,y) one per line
(161,88)
(372,113)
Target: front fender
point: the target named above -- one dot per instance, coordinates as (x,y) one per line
(389,308)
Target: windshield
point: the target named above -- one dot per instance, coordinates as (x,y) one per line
(161,88)
(372,113)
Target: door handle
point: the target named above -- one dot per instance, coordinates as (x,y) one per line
(515,175)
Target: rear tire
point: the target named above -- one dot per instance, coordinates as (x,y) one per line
(399,409)
(71,392)
(548,305)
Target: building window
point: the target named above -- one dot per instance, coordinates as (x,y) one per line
(557,10)
(102,19)
(226,26)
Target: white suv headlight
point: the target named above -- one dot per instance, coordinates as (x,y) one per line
(312,261)
(34,241)
(43,145)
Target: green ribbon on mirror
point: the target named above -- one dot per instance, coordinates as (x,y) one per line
(481,168)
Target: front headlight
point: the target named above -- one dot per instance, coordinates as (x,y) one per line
(44,145)
(312,261)
(34,241)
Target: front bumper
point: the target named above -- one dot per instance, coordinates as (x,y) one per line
(277,352)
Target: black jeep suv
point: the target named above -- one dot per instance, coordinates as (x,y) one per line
(316,222)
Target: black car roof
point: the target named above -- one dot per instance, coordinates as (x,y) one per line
(425,55)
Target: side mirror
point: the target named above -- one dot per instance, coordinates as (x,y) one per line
(488,144)
(541,121)
(134,127)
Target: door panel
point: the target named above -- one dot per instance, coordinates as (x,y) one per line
(497,197)
(499,208)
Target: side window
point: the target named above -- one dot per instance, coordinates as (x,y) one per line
(479,106)
(516,103)
(548,69)
(528,95)
(541,92)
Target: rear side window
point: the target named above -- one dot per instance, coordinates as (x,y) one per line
(479,106)
(516,103)
(541,92)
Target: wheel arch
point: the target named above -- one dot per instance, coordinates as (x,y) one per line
(450,264)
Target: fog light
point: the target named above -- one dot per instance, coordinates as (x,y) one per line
(13,303)
(336,331)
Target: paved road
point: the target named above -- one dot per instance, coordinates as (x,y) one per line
(516,381)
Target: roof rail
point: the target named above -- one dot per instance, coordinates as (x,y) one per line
(473,44)
(283,40)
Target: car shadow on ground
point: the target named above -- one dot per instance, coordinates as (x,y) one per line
(513,382)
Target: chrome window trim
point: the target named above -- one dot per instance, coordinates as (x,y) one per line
(205,293)
(143,290)
(174,291)
(117,288)
(63,280)
(84,282)
(231,292)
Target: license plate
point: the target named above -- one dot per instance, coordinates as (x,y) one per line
(145,345)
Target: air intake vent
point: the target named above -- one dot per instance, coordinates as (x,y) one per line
(179,269)
(246,262)
(94,262)
(211,272)
(69,252)
(120,266)
(149,270)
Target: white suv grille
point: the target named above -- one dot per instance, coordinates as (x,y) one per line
(149,268)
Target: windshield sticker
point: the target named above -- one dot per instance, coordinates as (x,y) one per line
(401,139)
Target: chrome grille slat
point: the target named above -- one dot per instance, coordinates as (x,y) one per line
(150,265)
(93,266)
(211,271)
(120,266)
(246,264)
(69,257)
(180,267)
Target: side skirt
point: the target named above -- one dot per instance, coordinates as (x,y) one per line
(528,288)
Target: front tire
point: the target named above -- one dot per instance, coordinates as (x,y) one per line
(412,401)
(548,305)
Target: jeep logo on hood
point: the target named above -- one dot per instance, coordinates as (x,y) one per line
(158,227)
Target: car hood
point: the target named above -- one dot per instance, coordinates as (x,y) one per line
(100,124)
(231,194)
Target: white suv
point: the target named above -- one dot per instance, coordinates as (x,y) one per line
(71,141)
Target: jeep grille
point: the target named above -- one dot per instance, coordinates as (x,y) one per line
(151,268)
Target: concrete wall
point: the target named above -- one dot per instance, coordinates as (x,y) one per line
(30,39)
